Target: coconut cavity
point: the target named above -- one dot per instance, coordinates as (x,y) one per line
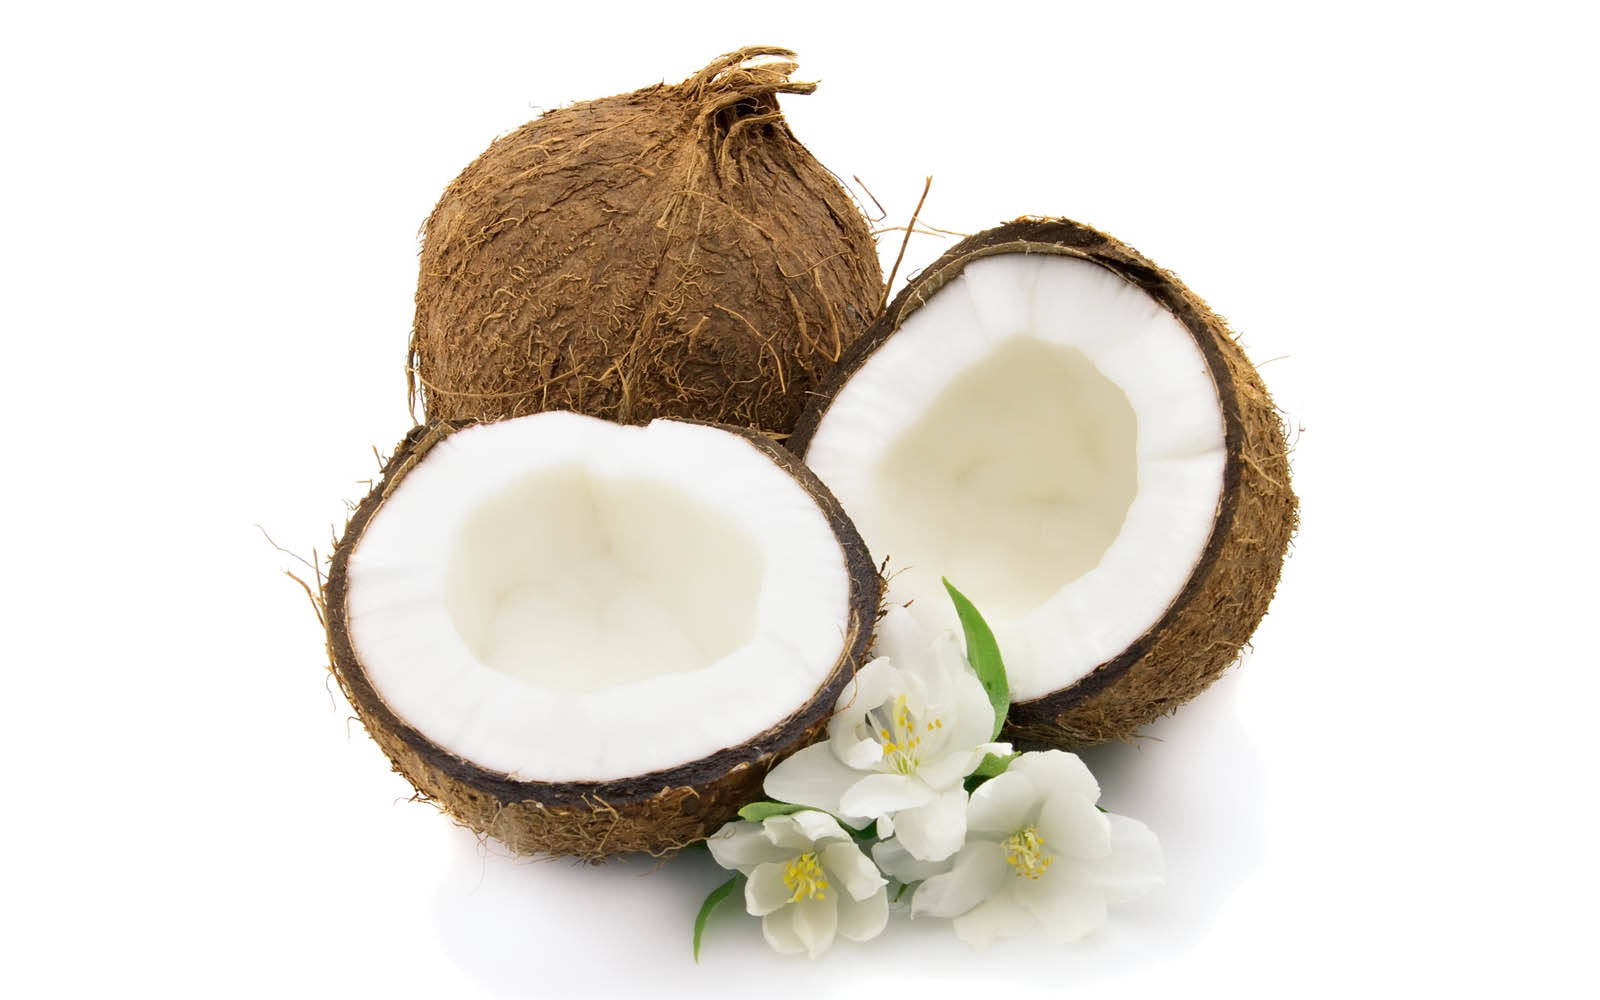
(1075,440)
(674,251)
(621,581)
(978,500)
(586,638)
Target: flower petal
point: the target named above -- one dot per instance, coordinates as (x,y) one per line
(1057,771)
(873,684)
(946,771)
(943,769)
(998,917)
(968,703)
(920,698)
(1067,909)
(1002,805)
(958,763)
(879,794)
(778,928)
(815,921)
(901,638)
(977,871)
(1134,866)
(764,890)
(851,870)
(742,845)
(859,755)
(863,919)
(799,832)
(898,863)
(1071,825)
(813,776)
(934,831)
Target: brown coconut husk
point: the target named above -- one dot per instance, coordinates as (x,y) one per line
(655,813)
(670,252)
(1227,594)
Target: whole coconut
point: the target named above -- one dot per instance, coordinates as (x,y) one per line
(669,252)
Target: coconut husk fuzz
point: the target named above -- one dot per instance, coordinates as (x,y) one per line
(654,813)
(670,252)
(1204,629)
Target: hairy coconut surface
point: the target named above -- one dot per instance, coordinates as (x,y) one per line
(1231,584)
(655,812)
(670,252)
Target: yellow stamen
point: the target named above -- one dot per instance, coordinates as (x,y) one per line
(804,876)
(1025,852)
(900,737)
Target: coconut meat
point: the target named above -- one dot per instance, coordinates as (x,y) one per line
(1048,437)
(560,598)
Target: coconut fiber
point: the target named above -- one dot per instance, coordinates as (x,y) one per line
(669,252)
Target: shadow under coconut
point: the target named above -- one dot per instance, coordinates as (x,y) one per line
(1195,779)
(519,927)
(523,927)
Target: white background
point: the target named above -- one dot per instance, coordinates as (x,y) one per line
(208,259)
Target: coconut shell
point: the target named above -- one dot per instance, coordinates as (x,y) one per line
(1227,593)
(655,813)
(670,252)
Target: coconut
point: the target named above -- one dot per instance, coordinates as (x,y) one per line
(583,638)
(1075,440)
(669,252)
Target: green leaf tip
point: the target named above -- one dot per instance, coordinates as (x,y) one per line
(755,812)
(717,895)
(983,652)
(992,766)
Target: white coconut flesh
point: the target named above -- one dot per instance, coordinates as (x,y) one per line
(1048,437)
(561,598)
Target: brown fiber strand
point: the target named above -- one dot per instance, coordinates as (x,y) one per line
(875,202)
(910,228)
(580,261)
(1210,621)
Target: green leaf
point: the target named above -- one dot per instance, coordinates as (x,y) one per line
(866,833)
(755,812)
(984,655)
(992,766)
(718,894)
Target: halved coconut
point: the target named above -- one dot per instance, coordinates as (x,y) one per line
(584,638)
(1076,441)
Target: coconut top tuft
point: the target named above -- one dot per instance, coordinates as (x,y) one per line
(674,251)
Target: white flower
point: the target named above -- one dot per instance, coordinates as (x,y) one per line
(1038,850)
(807,880)
(910,726)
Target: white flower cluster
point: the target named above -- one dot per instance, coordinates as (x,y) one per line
(1027,846)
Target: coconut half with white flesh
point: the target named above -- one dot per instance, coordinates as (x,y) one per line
(1074,439)
(584,638)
